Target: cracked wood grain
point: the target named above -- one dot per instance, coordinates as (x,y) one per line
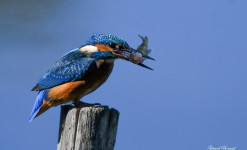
(87,128)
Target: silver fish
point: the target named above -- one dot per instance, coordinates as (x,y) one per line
(141,53)
(143,48)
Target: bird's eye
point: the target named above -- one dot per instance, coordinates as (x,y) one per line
(112,45)
(121,47)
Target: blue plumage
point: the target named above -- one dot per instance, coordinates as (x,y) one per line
(102,54)
(38,103)
(71,67)
(104,39)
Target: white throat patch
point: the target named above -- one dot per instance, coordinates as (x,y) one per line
(89,49)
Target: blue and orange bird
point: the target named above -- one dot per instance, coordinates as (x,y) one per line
(80,72)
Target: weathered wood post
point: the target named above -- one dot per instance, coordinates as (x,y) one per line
(87,128)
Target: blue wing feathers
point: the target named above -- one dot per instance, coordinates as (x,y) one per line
(38,104)
(71,67)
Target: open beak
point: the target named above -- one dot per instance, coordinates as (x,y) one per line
(133,56)
(122,54)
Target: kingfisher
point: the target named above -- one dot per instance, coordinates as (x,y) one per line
(80,72)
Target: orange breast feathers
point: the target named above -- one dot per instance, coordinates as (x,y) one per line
(102,47)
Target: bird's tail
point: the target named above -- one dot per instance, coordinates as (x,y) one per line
(39,106)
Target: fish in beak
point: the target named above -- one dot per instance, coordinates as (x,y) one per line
(136,56)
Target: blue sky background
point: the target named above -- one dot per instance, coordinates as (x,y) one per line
(196,96)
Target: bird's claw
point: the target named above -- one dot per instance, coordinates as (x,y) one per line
(80,104)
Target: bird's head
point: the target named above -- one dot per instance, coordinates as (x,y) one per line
(106,46)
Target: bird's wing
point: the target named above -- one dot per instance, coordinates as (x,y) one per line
(71,67)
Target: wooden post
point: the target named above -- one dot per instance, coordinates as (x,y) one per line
(87,128)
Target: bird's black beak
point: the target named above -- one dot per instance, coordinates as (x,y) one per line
(133,56)
(145,66)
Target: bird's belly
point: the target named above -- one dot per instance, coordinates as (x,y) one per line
(73,91)
(95,79)
(64,93)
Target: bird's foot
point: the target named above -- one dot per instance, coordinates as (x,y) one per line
(80,104)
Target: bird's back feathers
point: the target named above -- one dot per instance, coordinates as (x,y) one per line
(71,67)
